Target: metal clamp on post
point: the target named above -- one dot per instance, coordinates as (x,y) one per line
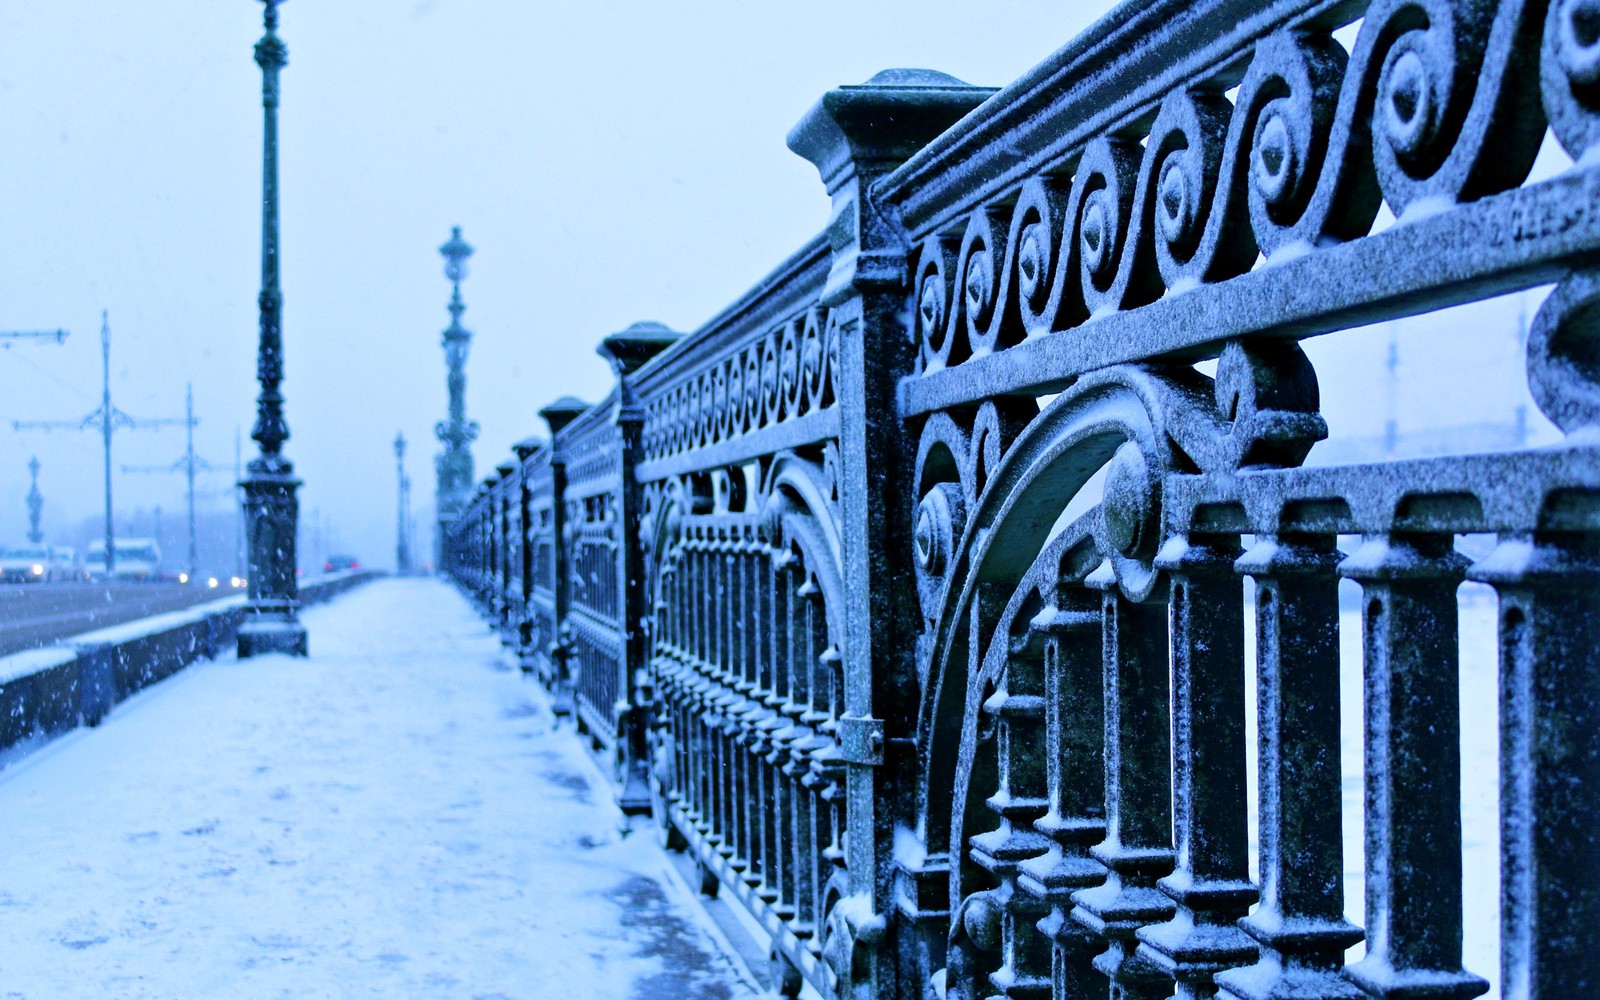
(861,739)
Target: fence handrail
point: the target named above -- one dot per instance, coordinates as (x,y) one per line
(908,594)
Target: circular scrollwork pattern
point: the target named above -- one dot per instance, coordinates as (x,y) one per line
(811,361)
(789,371)
(1564,353)
(769,379)
(752,386)
(936,265)
(982,257)
(1128,529)
(940,518)
(719,403)
(1570,73)
(1290,94)
(1104,186)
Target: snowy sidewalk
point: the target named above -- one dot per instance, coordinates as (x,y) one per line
(393,817)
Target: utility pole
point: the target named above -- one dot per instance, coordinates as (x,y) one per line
(402,556)
(35,503)
(107,420)
(189,464)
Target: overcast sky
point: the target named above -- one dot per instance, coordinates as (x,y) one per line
(609,161)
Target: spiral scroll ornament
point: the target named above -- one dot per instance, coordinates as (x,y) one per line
(983,250)
(752,386)
(1129,527)
(1103,192)
(769,379)
(1201,229)
(1037,267)
(936,267)
(718,423)
(1569,73)
(1290,97)
(789,372)
(1453,115)
(812,362)
(1564,353)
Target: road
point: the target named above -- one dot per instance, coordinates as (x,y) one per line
(38,614)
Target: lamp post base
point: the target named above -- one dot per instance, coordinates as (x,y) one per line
(261,636)
(271,624)
(271,634)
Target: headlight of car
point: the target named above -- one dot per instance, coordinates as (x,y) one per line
(38,570)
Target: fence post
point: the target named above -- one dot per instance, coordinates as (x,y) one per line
(855,135)
(557,416)
(522,627)
(628,351)
(510,554)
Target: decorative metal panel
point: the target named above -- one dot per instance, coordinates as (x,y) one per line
(947,537)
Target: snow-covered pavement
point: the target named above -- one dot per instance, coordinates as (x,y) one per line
(393,817)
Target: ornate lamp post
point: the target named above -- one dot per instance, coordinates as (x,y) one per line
(271,511)
(454,464)
(35,503)
(402,555)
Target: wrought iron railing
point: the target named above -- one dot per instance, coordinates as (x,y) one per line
(913,593)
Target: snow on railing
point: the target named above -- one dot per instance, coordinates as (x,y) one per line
(986,516)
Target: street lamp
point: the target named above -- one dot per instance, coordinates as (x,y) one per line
(402,556)
(271,623)
(454,464)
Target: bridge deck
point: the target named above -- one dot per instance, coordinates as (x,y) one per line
(392,817)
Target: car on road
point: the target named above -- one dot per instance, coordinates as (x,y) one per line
(337,563)
(67,564)
(27,563)
(137,559)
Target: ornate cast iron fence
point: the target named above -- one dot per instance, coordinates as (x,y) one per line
(910,592)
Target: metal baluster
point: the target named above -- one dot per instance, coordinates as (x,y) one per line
(702,756)
(1137,848)
(1549,587)
(1300,921)
(797,768)
(716,771)
(716,797)
(1017,706)
(1075,774)
(1413,768)
(823,762)
(763,746)
(725,697)
(783,801)
(829,767)
(755,804)
(739,707)
(1211,884)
